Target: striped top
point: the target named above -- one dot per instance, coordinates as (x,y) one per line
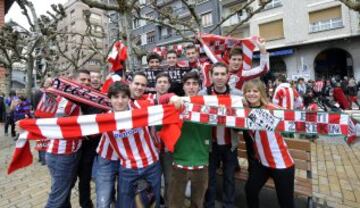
(62,146)
(271,148)
(135,148)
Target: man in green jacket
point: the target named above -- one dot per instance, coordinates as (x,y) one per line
(191,156)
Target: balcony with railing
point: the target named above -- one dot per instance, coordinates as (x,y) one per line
(181,11)
(273,4)
(233,20)
(325,25)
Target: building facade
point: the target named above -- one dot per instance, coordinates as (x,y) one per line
(74,22)
(309,38)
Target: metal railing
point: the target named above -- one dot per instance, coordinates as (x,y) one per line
(326,25)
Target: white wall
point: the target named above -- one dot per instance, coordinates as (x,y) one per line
(309,53)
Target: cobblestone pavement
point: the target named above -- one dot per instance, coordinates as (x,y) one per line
(335,166)
(26,188)
(336,173)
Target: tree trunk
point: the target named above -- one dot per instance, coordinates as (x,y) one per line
(8,83)
(127,24)
(29,76)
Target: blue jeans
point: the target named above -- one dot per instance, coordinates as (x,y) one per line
(62,170)
(42,157)
(223,154)
(106,172)
(152,174)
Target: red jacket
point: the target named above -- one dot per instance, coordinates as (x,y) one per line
(339,96)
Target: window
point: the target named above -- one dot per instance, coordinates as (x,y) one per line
(326,19)
(72,13)
(95,17)
(234,19)
(143,39)
(273,4)
(73,27)
(206,19)
(96,28)
(272,30)
(143,60)
(150,37)
(150,15)
(165,32)
(137,23)
(202,1)
(94,62)
(113,18)
(99,29)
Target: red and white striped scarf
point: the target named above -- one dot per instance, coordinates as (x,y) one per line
(117,56)
(217,48)
(273,120)
(79,93)
(108,82)
(197,109)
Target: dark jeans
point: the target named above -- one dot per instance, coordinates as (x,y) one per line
(10,122)
(223,154)
(42,157)
(127,179)
(62,170)
(284,184)
(106,175)
(166,161)
(179,179)
(84,173)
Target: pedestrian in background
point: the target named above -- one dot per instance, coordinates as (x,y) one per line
(2,107)
(9,121)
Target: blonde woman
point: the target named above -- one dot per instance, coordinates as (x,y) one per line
(271,155)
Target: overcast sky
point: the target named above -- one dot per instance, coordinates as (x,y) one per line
(41,6)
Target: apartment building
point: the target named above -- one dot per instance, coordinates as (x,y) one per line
(307,38)
(75,23)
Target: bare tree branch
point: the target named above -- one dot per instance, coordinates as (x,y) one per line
(22,4)
(352,4)
(250,15)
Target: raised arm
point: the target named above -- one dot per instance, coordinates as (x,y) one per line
(264,66)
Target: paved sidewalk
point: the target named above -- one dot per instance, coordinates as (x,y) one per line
(336,177)
(336,173)
(26,188)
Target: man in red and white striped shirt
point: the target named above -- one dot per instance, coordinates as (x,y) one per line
(285,95)
(134,148)
(107,161)
(62,158)
(193,61)
(238,75)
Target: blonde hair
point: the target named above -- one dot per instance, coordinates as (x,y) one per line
(259,85)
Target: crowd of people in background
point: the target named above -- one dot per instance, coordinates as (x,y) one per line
(332,94)
(140,155)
